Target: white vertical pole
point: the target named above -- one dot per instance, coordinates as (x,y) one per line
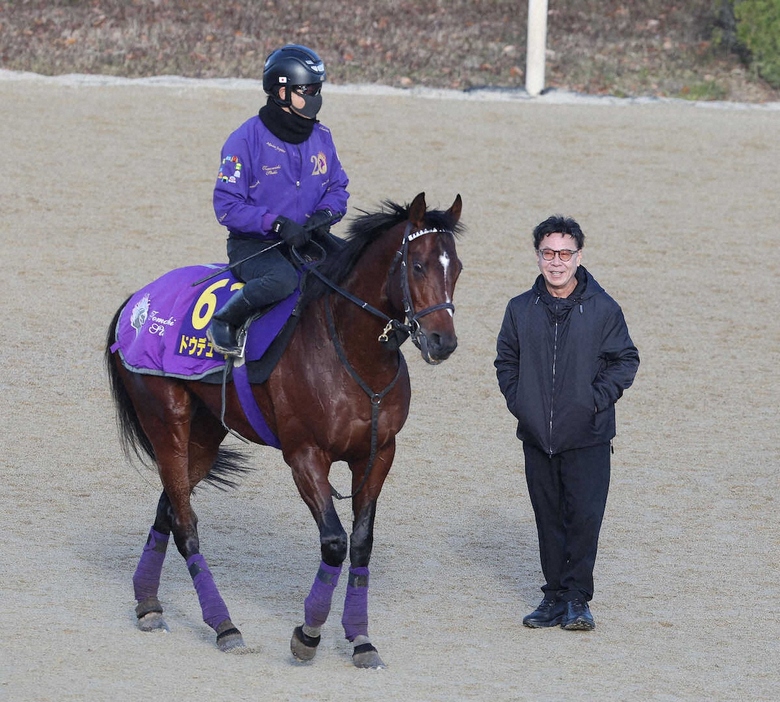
(537,45)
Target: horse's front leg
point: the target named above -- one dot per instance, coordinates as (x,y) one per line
(310,472)
(355,616)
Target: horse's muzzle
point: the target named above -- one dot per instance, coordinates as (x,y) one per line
(436,347)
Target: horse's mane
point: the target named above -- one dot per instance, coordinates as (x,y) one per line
(363,231)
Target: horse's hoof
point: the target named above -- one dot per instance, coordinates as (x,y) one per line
(230,639)
(303,647)
(366,656)
(153,621)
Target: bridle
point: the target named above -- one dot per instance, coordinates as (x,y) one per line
(410,327)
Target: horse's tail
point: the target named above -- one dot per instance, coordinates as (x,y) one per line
(131,434)
(230,463)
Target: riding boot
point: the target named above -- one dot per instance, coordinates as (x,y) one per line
(223,330)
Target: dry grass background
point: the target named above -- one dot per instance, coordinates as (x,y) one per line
(618,47)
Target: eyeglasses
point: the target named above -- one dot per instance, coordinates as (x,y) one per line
(563,254)
(311,89)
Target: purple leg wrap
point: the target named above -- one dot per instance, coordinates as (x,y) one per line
(146,579)
(211,603)
(317,604)
(355,617)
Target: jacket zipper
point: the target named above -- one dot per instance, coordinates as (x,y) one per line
(552,390)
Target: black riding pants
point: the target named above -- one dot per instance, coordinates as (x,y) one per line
(268,276)
(568,493)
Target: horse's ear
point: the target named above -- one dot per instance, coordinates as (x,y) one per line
(456,209)
(417,211)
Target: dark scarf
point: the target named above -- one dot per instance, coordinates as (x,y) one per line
(559,308)
(286,126)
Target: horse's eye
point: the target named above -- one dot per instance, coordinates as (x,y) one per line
(417,267)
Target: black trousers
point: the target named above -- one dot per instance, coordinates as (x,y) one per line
(268,277)
(568,493)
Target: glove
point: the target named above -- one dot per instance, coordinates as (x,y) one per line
(319,223)
(291,232)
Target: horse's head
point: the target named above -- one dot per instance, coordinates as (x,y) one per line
(415,298)
(423,279)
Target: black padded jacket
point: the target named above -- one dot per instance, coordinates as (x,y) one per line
(562,363)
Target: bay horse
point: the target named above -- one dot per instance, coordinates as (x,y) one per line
(340,392)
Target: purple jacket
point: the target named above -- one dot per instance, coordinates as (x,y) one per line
(262,177)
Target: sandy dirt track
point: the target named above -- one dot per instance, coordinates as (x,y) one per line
(107,187)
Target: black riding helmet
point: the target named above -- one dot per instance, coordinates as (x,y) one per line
(290,66)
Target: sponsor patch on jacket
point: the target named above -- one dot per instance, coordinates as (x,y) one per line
(229,170)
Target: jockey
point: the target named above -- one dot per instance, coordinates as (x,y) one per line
(280,181)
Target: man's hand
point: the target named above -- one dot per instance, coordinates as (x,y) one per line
(319,223)
(291,232)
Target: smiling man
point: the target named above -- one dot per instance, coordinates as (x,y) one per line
(564,357)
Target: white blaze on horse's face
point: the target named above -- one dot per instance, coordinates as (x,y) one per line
(444,259)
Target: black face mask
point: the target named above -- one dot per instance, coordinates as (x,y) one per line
(312,105)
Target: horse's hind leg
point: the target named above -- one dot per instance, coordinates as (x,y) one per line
(172,423)
(205,438)
(146,579)
(213,607)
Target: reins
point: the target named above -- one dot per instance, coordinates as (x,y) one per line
(412,328)
(391,323)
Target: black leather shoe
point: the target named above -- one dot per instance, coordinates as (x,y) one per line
(578,617)
(548,613)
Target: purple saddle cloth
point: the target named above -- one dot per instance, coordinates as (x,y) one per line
(162,328)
